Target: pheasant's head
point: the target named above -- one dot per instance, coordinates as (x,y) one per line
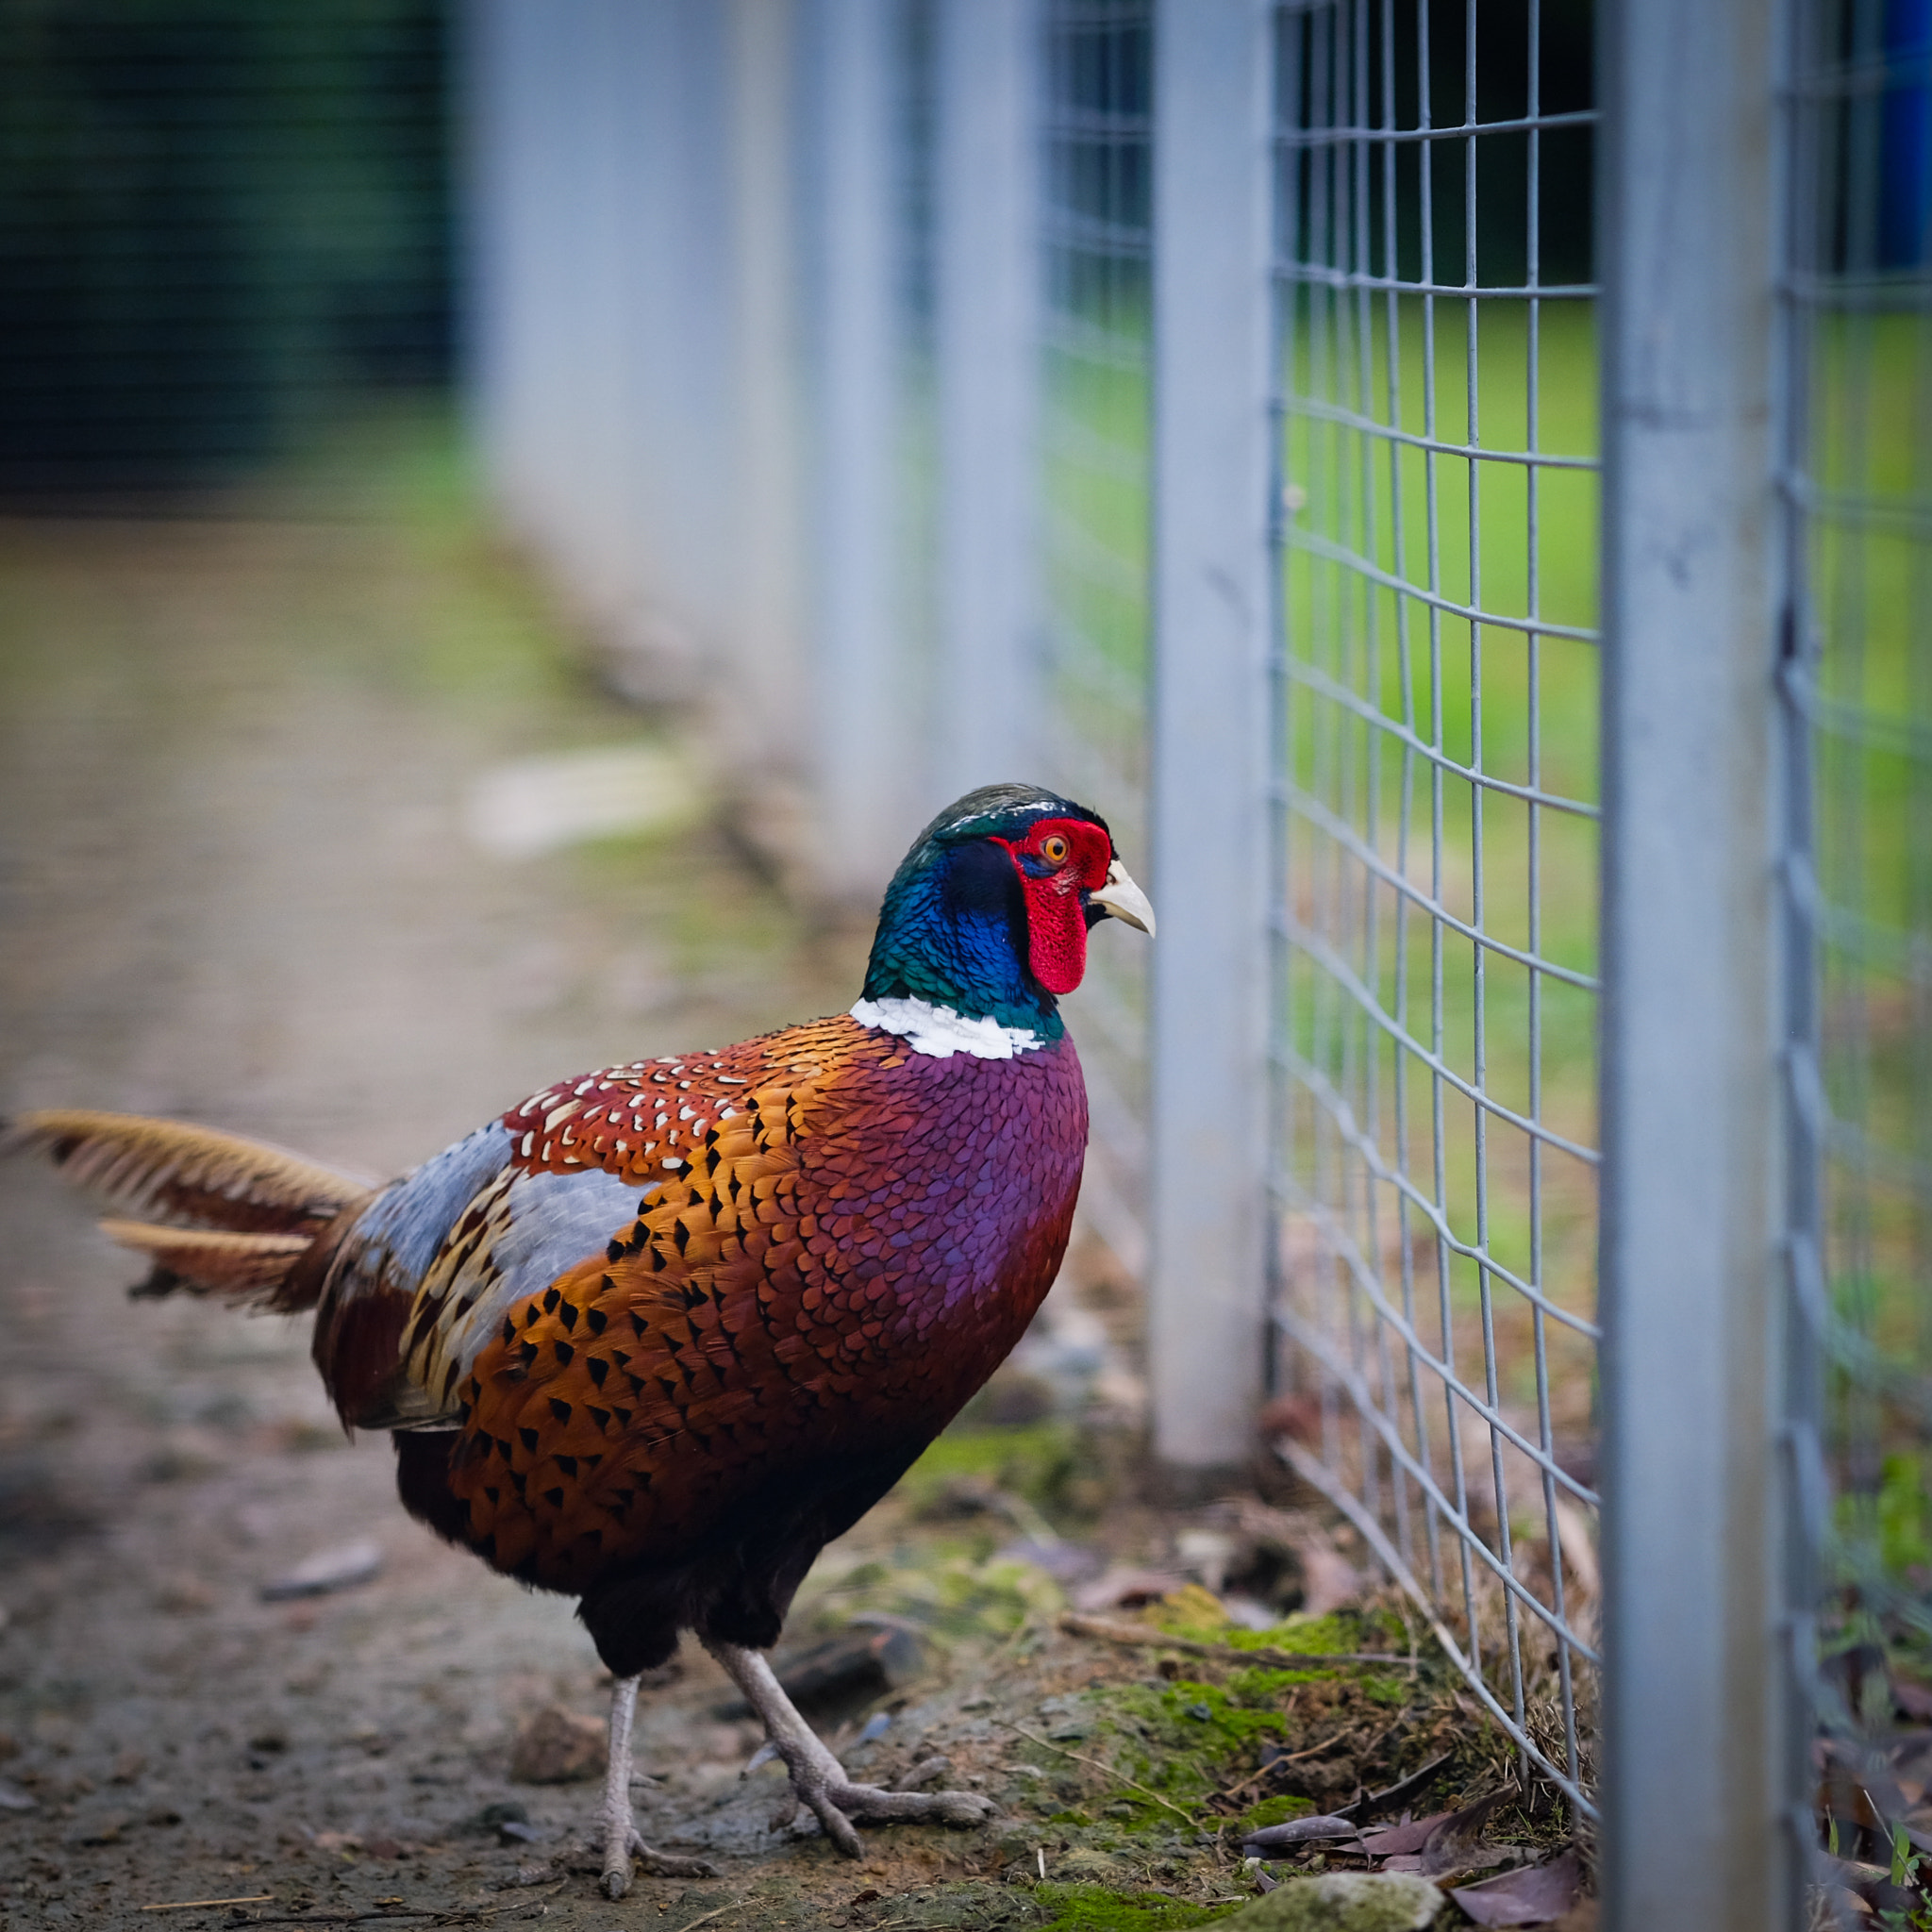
(989,913)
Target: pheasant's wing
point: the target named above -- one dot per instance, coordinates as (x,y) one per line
(761,1315)
(424,1277)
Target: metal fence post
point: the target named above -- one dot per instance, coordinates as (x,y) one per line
(1214,179)
(1694,1755)
(988,319)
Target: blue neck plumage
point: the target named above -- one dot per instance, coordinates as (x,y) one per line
(951,932)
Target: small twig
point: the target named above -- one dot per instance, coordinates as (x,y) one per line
(1275,1764)
(1142,1637)
(1107,1770)
(716,1912)
(463,1915)
(400,1912)
(351,1918)
(183,1905)
(1408,1786)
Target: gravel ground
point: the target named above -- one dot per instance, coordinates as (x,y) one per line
(234,765)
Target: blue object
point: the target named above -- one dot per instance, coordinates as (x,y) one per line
(1905,203)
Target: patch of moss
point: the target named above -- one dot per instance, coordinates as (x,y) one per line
(1274,1811)
(1098,1908)
(1190,1611)
(1197,1613)
(1331,1635)
(1261,1687)
(954,1598)
(1030,1459)
(1171,1744)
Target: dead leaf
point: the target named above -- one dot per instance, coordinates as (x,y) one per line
(1411,1835)
(1458,1845)
(1579,1551)
(1915,1700)
(1328,1578)
(1532,1897)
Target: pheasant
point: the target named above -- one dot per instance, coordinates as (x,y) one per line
(657,1334)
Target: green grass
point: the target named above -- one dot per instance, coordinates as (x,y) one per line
(1871,577)
(1506,540)
(1400,507)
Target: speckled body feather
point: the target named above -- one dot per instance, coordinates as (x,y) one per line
(842,1242)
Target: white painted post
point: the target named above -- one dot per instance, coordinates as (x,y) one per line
(766,757)
(504,125)
(865,739)
(988,356)
(1213,606)
(1704,1801)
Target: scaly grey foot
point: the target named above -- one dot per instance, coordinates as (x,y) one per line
(620,1838)
(819,1780)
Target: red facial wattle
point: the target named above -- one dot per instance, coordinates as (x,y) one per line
(1056,919)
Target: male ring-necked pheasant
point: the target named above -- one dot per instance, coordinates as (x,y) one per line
(660,1332)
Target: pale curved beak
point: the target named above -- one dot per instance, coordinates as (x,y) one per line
(1123,899)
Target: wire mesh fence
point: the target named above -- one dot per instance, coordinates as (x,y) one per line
(1856,683)
(1436,833)
(1094,400)
(1435,709)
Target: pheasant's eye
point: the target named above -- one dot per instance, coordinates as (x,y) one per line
(1053,850)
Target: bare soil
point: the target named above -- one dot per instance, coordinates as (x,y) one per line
(234,761)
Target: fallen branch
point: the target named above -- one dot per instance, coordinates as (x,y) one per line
(1105,1770)
(1144,1638)
(439,1915)
(183,1905)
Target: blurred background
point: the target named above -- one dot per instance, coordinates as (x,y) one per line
(511,514)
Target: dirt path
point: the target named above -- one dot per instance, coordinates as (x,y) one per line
(236,761)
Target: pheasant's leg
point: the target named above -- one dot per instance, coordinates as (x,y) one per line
(818,1777)
(620,1838)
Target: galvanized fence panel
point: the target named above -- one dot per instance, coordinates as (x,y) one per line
(1856,868)
(1096,420)
(1435,989)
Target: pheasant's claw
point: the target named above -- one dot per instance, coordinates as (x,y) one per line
(821,1784)
(876,1805)
(617,1864)
(819,1780)
(921,1773)
(669,1864)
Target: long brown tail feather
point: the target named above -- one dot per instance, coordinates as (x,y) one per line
(248,1269)
(187,1175)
